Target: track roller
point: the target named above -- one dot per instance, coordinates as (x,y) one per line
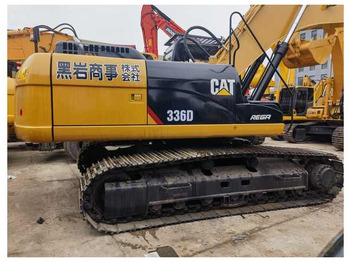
(322,176)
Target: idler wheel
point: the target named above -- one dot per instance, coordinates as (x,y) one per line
(322,176)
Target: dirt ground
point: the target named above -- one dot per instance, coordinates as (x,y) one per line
(46,185)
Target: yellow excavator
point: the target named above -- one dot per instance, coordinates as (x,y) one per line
(318,106)
(161,145)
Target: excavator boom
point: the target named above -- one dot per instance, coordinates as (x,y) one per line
(153,19)
(278,17)
(20,47)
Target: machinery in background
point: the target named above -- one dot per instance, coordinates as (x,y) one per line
(153,19)
(273,87)
(161,145)
(319,107)
(11,85)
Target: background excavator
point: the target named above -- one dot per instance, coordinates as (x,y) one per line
(153,19)
(319,106)
(161,136)
(318,109)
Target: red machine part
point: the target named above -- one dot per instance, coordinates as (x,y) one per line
(151,20)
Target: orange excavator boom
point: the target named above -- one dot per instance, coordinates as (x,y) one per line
(153,19)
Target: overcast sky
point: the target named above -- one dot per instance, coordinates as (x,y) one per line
(121,24)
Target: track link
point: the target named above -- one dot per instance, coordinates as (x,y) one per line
(338,138)
(202,215)
(116,165)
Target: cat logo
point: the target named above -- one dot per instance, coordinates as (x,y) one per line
(221,87)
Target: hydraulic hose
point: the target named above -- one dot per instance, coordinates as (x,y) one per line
(205,30)
(193,41)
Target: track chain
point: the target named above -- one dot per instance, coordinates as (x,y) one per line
(338,138)
(177,156)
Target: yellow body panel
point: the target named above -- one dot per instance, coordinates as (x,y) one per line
(33,99)
(308,118)
(35,122)
(150,120)
(94,106)
(94,102)
(19,48)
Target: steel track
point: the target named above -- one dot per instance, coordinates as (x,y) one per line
(173,157)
